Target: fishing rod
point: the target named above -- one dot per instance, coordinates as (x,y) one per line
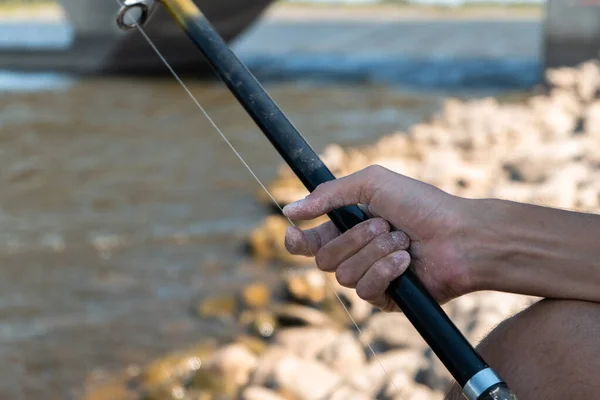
(465,364)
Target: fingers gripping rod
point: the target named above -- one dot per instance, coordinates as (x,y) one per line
(478,380)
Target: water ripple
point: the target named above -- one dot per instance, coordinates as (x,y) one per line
(33,82)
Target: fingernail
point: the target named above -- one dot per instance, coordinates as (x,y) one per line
(377,226)
(289,239)
(292,235)
(403,260)
(288,236)
(400,237)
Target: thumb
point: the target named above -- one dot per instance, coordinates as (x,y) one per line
(358,188)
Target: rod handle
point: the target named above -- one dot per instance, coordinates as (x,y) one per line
(424,312)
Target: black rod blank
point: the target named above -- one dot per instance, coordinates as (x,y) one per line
(423,311)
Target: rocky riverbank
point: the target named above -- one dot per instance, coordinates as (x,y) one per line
(298,343)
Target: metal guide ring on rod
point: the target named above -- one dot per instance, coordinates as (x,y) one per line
(135,13)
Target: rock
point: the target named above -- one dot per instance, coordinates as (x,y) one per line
(435,375)
(264,373)
(337,310)
(359,309)
(223,307)
(393,330)
(373,377)
(306,285)
(588,199)
(260,322)
(398,165)
(476,314)
(257,295)
(536,167)
(592,119)
(234,364)
(420,392)
(344,354)
(286,188)
(260,393)
(588,84)
(177,366)
(307,342)
(399,384)
(210,381)
(114,389)
(297,315)
(560,190)
(267,241)
(502,304)
(174,391)
(564,78)
(348,393)
(305,379)
(199,395)
(255,345)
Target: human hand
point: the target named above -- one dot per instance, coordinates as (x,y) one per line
(412,223)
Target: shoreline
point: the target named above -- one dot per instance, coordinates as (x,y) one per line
(389,12)
(326,12)
(33,12)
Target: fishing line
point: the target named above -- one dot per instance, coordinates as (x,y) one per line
(477,379)
(220,132)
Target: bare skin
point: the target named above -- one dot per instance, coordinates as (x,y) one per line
(551,351)
(458,246)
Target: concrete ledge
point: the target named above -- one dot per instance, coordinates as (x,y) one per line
(572,32)
(99,47)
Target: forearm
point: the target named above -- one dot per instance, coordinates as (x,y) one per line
(533,250)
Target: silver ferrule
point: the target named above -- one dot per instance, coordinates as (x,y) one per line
(480,383)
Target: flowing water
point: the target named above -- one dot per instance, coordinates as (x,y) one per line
(120,206)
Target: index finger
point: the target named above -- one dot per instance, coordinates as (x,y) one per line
(357,188)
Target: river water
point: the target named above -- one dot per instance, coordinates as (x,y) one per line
(120,207)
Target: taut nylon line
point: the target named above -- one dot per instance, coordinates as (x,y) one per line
(220,132)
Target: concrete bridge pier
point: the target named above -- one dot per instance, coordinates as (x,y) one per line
(98,39)
(572,32)
(99,46)
(90,18)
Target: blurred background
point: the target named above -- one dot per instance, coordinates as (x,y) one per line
(129,231)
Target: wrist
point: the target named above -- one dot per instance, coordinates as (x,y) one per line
(529,250)
(482,240)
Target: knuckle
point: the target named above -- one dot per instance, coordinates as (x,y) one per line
(401,240)
(364,293)
(323,262)
(390,242)
(344,277)
(375,169)
(378,225)
(382,269)
(358,238)
(320,187)
(383,244)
